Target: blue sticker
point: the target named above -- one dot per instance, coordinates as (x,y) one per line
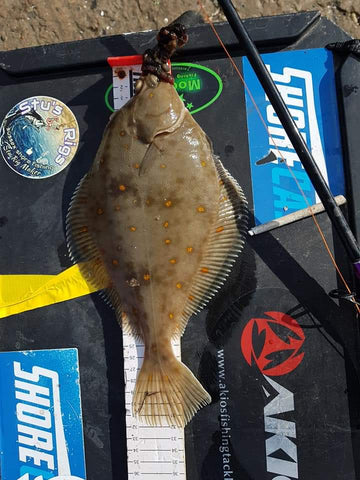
(41,434)
(39,137)
(306,82)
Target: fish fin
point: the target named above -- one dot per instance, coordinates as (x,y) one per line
(152,154)
(128,327)
(82,248)
(225,244)
(167,392)
(111,298)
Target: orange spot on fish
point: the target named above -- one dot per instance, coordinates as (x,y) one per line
(219,229)
(151,95)
(221,182)
(203,164)
(168,203)
(132,228)
(179,285)
(166,224)
(115,262)
(201,209)
(191,298)
(163,165)
(99,211)
(84,229)
(204,270)
(147,276)
(122,133)
(122,188)
(136,165)
(171,315)
(172,260)
(189,249)
(117,208)
(148,202)
(167,241)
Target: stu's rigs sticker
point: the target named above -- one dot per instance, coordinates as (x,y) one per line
(41,434)
(39,137)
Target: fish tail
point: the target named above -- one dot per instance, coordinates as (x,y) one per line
(167,392)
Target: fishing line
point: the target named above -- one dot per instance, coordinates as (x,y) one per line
(322,236)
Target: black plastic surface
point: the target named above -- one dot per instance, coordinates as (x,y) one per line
(349,89)
(287,270)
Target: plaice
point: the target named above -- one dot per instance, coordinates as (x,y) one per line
(164,221)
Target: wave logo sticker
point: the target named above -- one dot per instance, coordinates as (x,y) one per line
(42,436)
(273,354)
(39,137)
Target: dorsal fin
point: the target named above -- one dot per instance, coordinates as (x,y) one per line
(224,245)
(83,250)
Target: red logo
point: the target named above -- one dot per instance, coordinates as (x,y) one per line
(273,344)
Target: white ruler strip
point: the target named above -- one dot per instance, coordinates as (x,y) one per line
(153,452)
(124,80)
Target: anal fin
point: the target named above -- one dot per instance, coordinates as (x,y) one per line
(225,243)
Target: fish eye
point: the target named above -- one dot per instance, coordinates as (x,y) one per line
(139,84)
(151,80)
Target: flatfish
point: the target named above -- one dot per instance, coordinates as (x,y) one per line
(162,221)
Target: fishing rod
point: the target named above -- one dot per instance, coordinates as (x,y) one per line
(335,214)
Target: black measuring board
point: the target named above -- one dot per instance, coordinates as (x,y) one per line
(301,422)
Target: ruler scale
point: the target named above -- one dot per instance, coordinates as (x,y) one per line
(151,451)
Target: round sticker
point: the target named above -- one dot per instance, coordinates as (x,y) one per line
(39,137)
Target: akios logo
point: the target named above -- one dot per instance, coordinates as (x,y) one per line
(261,343)
(273,343)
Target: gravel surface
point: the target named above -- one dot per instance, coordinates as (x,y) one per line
(38,22)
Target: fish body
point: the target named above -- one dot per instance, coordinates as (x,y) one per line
(162,219)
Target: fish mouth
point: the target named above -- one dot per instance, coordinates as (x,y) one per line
(155,61)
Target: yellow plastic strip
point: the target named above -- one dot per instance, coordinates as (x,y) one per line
(20,293)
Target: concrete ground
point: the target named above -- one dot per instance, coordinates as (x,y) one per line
(39,22)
